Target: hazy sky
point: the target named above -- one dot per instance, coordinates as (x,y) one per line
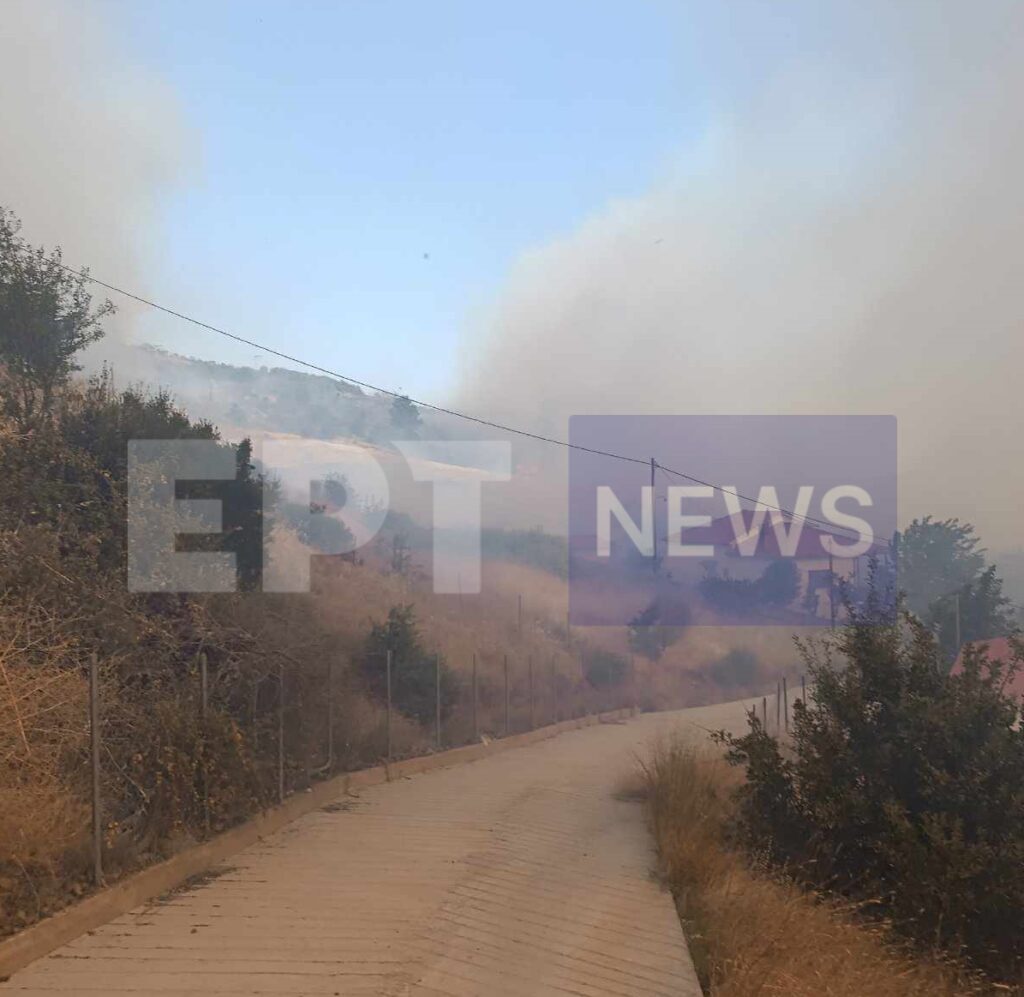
(539,209)
(360,175)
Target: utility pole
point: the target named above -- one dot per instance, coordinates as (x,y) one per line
(831,593)
(785,701)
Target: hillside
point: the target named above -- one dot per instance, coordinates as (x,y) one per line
(277,399)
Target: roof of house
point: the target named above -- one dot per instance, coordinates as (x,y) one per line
(997,649)
(808,546)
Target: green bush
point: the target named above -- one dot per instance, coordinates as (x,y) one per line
(413,675)
(604,669)
(903,787)
(778,586)
(739,667)
(780,583)
(647,636)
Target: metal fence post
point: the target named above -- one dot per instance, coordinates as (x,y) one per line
(555,709)
(389,703)
(584,692)
(506,695)
(97,803)
(204,705)
(476,722)
(533,722)
(330,715)
(204,686)
(437,700)
(280,733)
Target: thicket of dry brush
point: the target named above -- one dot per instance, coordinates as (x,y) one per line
(752,931)
(171,773)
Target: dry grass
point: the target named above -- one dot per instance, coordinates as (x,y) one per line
(486,626)
(754,933)
(43,816)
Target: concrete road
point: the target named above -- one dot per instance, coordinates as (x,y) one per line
(520,874)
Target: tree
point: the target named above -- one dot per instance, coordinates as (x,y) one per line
(405,417)
(46,317)
(977,611)
(413,678)
(780,583)
(902,786)
(937,557)
(245,515)
(316,528)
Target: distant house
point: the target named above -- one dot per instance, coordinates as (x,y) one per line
(997,649)
(815,568)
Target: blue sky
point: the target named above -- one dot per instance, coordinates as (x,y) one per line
(365,173)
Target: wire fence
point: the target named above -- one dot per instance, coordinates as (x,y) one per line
(774,711)
(219,749)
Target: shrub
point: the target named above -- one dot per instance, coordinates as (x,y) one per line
(316,528)
(779,585)
(780,582)
(604,669)
(647,637)
(730,595)
(753,933)
(737,668)
(902,786)
(413,678)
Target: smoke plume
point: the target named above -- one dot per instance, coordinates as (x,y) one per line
(845,236)
(91,142)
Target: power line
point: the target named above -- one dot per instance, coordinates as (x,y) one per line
(85,275)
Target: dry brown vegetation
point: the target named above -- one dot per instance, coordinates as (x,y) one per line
(171,777)
(753,932)
(294,690)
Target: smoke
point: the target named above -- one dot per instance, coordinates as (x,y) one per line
(845,236)
(90,143)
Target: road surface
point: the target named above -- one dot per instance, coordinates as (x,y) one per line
(516,875)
